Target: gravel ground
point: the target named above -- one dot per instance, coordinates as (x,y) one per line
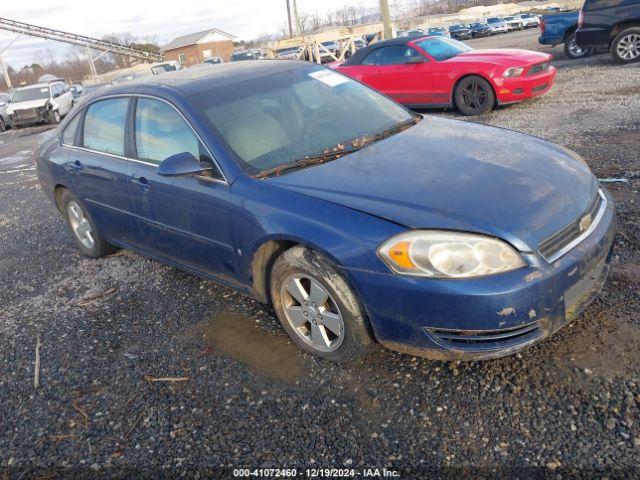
(240,395)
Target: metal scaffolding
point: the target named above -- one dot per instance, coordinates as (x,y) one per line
(89,43)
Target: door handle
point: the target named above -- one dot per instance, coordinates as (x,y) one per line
(141,183)
(76,167)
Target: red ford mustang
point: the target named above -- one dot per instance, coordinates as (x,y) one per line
(438,71)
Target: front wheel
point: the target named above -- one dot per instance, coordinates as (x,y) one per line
(474,96)
(625,48)
(575,51)
(54,117)
(317,308)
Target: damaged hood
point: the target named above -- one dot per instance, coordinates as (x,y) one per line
(458,175)
(13,107)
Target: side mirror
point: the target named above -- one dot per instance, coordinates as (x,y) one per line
(181,164)
(416,60)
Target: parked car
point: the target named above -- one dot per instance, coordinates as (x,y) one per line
(438,32)
(611,24)
(213,60)
(4,101)
(480,29)
(169,66)
(240,56)
(358,220)
(513,23)
(529,20)
(416,32)
(441,72)
(44,102)
(331,49)
(76,90)
(292,53)
(460,32)
(497,25)
(359,43)
(561,28)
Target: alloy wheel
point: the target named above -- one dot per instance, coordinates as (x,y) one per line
(575,49)
(80,224)
(474,95)
(312,312)
(628,47)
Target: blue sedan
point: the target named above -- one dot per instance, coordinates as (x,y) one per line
(361,222)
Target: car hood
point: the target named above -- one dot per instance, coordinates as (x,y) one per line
(503,56)
(458,175)
(12,107)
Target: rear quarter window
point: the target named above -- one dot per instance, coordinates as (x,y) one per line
(69,132)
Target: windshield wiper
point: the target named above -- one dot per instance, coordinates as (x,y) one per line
(337,152)
(306,161)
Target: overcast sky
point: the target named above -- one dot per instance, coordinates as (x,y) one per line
(244,18)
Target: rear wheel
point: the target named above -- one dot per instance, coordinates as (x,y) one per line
(626,46)
(317,308)
(87,237)
(575,51)
(474,96)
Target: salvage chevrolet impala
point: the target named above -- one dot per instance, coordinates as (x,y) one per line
(359,221)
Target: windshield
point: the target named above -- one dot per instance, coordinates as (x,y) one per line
(283,117)
(493,20)
(36,93)
(443,48)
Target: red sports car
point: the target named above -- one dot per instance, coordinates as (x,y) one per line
(438,71)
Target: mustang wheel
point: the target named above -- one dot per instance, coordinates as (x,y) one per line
(86,235)
(575,51)
(317,308)
(474,96)
(625,48)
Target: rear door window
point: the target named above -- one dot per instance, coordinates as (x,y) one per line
(104,125)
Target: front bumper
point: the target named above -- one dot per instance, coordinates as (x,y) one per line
(488,317)
(513,90)
(31,116)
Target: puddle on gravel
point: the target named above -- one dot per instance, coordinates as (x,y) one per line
(237,336)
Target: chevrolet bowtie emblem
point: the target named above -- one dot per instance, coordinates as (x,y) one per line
(585,222)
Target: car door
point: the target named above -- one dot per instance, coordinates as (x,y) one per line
(182,219)
(444,67)
(400,72)
(98,168)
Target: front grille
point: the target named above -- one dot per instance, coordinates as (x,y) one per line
(539,67)
(561,242)
(485,339)
(27,113)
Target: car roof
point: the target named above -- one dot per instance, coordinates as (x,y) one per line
(360,55)
(196,80)
(38,85)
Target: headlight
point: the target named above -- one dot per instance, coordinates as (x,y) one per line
(513,72)
(444,254)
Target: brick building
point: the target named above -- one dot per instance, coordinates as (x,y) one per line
(197,47)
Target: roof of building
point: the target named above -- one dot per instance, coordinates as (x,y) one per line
(192,39)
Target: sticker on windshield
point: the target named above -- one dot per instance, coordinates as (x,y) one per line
(329,78)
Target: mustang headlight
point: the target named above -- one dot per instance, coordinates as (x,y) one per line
(513,72)
(447,254)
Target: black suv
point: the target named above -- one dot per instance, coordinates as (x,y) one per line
(613,24)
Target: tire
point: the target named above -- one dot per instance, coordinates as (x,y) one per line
(625,48)
(473,95)
(573,51)
(324,317)
(84,232)
(54,117)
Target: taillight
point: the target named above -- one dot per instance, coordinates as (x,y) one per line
(581,19)
(541,26)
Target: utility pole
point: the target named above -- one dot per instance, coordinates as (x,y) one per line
(289,19)
(297,18)
(386,19)
(3,66)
